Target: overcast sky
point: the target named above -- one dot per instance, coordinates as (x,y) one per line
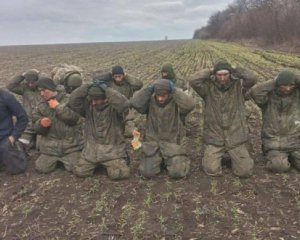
(65,21)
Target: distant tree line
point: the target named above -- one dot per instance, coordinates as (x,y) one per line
(271,21)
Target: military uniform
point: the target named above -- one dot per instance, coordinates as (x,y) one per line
(178,81)
(225,127)
(281,124)
(31,97)
(165,139)
(63,140)
(104,127)
(127,87)
(69,76)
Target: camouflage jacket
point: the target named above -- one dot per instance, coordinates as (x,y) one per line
(281,117)
(180,83)
(224,111)
(165,124)
(30,97)
(127,87)
(65,134)
(62,71)
(104,126)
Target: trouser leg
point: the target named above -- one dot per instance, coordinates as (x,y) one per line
(178,166)
(84,168)
(46,163)
(117,169)
(12,157)
(295,155)
(70,160)
(150,165)
(277,161)
(241,162)
(211,161)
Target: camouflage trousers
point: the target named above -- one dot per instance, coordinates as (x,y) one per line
(47,163)
(241,162)
(278,161)
(29,137)
(131,123)
(116,169)
(177,166)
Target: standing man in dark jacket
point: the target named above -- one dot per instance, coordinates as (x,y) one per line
(225,128)
(166,107)
(104,110)
(25,85)
(279,100)
(10,154)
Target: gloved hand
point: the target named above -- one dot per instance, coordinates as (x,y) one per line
(100,83)
(172,87)
(45,122)
(53,103)
(151,88)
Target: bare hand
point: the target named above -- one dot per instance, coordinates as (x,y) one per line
(12,140)
(46,122)
(53,103)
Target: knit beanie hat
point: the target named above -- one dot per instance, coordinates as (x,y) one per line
(95,91)
(162,86)
(168,68)
(222,64)
(285,77)
(46,83)
(31,75)
(117,70)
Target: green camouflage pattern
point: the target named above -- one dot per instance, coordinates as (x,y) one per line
(104,128)
(60,73)
(64,136)
(224,112)
(165,135)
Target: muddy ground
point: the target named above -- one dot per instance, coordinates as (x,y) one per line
(62,206)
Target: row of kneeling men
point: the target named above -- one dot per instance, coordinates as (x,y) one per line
(85,125)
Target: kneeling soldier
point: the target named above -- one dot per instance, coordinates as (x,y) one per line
(279,100)
(60,129)
(166,107)
(104,110)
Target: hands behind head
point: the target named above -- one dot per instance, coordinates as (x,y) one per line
(172,86)
(99,83)
(151,88)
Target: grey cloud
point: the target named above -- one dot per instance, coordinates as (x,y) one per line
(24,22)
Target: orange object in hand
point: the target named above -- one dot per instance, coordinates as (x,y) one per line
(46,122)
(136,133)
(135,143)
(53,103)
